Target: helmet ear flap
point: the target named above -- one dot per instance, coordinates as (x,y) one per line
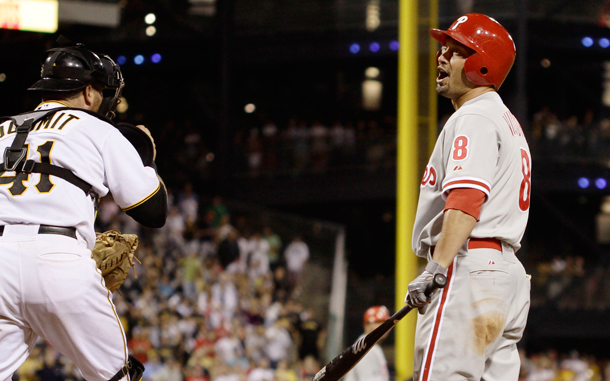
(477,71)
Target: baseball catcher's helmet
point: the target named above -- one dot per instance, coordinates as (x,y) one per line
(376,314)
(494,47)
(71,67)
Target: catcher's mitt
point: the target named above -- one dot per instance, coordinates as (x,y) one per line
(114,255)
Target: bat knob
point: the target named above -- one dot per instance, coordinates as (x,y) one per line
(439,280)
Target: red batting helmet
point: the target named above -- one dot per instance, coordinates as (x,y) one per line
(494,47)
(376,314)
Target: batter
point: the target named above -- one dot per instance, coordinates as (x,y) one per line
(472,213)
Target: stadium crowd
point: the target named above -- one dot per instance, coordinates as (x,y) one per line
(296,146)
(573,366)
(211,303)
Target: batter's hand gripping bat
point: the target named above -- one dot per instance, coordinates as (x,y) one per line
(340,365)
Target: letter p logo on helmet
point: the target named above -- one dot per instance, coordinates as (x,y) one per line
(459,21)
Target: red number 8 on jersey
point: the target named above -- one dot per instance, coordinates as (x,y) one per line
(460,148)
(526,184)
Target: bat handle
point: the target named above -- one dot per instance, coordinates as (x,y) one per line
(438,281)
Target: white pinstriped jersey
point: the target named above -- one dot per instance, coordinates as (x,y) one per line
(93,150)
(483,147)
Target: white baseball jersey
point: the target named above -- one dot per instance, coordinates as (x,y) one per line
(372,367)
(483,147)
(93,150)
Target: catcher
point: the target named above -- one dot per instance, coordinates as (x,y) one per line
(57,161)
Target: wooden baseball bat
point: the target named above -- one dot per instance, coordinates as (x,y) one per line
(343,363)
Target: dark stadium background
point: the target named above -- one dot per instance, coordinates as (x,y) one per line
(292,60)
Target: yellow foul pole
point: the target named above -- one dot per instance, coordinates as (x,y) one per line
(407,180)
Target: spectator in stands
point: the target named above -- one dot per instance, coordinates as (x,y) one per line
(278,342)
(296,255)
(281,284)
(224,296)
(27,370)
(255,152)
(229,348)
(300,141)
(310,368)
(174,228)
(169,371)
(188,203)
(216,211)
(258,261)
(191,270)
(139,345)
(152,365)
(310,333)
(319,147)
(262,372)
(51,368)
(228,249)
(275,246)
(284,373)
(256,343)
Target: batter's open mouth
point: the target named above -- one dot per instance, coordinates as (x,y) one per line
(442,75)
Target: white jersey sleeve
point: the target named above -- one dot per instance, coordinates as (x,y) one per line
(116,152)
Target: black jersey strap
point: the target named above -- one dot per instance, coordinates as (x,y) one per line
(22,124)
(15,155)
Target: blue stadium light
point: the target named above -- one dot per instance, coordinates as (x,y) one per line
(354,48)
(121,60)
(374,47)
(139,59)
(583,182)
(155,58)
(604,42)
(394,45)
(587,42)
(601,183)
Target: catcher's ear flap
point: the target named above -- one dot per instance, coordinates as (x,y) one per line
(140,141)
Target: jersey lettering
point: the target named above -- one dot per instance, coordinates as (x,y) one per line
(429,177)
(513,124)
(46,124)
(526,183)
(58,121)
(460,148)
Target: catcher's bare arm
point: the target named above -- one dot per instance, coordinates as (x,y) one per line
(340,365)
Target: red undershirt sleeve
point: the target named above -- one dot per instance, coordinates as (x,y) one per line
(468,200)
